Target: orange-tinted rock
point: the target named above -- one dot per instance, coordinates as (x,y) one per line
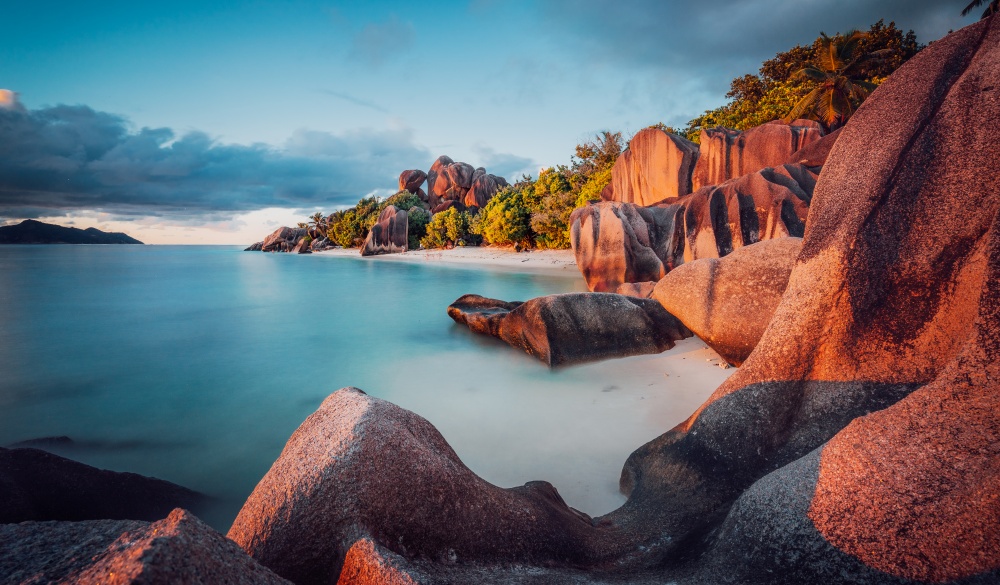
(283,239)
(575,327)
(483,188)
(449,181)
(177,549)
(367,563)
(815,153)
(303,246)
(728,302)
(656,166)
(616,243)
(412,180)
(642,290)
(36,485)
(439,164)
(727,154)
(361,468)
(389,235)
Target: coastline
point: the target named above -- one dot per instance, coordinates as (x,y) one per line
(549,262)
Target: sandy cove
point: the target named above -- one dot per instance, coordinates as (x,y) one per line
(550,262)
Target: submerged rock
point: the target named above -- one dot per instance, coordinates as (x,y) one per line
(728,302)
(36,485)
(573,328)
(177,549)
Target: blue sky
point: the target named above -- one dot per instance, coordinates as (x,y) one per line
(214,121)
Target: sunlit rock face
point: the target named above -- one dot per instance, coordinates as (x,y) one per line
(617,243)
(573,328)
(283,239)
(728,302)
(177,549)
(389,234)
(483,188)
(656,166)
(726,154)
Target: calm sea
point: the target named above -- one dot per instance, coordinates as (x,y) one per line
(195,364)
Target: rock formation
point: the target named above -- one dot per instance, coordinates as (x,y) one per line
(177,549)
(389,234)
(283,239)
(656,166)
(573,328)
(412,181)
(815,153)
(256,247)
(452,181)
(726,154)
(858,443)
(729,301)
(483,188)
(616,243)
(36,485)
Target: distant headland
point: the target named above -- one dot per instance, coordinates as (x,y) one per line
(30,231)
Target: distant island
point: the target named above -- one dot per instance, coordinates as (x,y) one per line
(30,231)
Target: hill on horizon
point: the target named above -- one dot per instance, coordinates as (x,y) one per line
(31,231)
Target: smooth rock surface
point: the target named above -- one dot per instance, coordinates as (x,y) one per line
(728,302)
(390,233)
(656,166)
(412,180)
(483,188)
(283,239)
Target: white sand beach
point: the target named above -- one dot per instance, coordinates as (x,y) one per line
(550,262)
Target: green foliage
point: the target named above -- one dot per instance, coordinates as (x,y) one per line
(506,218)
(349,228)
(417,219)
(591,189)
(402,200)
(778,87)
(449,227)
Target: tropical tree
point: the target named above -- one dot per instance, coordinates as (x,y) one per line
(839,87)
(991,8)
(317,225)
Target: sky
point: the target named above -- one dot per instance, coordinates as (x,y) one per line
(194,122)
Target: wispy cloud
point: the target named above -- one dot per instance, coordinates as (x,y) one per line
(356,100)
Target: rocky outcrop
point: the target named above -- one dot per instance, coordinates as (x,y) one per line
(573,328)
(362,469)
(256,247)
(451,182)
(728,302)
(483,188)
(412,180)
(642,290)
(177,549)
(656,166)
(617,243)
(726,154)
(815,153)
(35,485)
(304,246)
(283,239)
(319,244)
(389,234)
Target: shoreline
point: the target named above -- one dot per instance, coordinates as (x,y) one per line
(549,262)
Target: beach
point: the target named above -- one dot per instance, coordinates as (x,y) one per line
(549,262)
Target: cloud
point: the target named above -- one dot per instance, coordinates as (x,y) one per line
(64,159)
(505,165)
(356,100)
(378,42)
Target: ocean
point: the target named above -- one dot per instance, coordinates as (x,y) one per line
(195,364)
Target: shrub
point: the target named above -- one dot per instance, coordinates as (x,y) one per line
(417,219)
(506,219)
(448,227)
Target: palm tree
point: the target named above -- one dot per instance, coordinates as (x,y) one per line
(318,224)
(834,70)
(991,8)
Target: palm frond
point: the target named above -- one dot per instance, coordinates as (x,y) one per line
(805,107)
(811,72)
(972,6)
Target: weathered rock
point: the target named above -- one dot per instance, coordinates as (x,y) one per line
(815,153)
(443,206)
(727,154)
(656,166)
(361,468)
(412,180)
(728,302)
(483,188)
(642,290)
(283,239)
(302,247)
(177,549)
(320,244)
(616,243)
(36,485)
(451,182)
(389,235)
(256,247)
(432,175)
(573,328)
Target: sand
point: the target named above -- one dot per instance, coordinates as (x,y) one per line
(549,262)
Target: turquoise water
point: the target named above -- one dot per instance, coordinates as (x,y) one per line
(195,364)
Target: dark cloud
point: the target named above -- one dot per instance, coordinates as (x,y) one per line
(718,40)
(377,42)
(64,158)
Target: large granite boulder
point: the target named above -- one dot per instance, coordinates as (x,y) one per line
(815,153)
(412,180)
(483,188)
(575,327)
(283,239)
(360,469)
(177,549)
(389,235)
(36,485)
(449,181)
(728,302)
(616,243)
(726,154)
(255,247)
(656,166)
(432,175)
